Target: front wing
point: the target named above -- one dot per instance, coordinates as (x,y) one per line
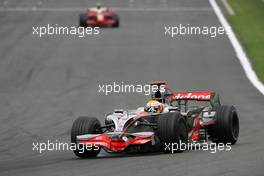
(115,141)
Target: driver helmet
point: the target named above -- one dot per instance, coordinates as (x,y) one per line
(154,106)
(98,5)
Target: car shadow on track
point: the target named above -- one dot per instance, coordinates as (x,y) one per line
(105,155)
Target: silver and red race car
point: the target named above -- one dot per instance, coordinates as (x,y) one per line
(99,17)
(169,117)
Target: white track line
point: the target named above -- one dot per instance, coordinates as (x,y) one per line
(73,9)
(241,55)
(228,7)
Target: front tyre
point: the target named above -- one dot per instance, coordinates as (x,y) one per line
(172,132)
(85,125)
(117,21)
(83,20)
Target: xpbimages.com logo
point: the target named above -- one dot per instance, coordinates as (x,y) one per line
(49,30)
(205,146)
(41,147)
(122,87)
(184,30)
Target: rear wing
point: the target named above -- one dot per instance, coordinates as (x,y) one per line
(212,97)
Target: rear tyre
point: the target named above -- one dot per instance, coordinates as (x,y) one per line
(172,132)
(83,20)
(226,127)
(85,125)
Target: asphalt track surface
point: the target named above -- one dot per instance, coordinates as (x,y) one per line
(45,83)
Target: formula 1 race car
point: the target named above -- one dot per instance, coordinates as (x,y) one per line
(169,117)
(99,17)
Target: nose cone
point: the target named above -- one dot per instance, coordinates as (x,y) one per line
(100,17)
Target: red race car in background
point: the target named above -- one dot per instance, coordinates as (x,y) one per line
(99,17)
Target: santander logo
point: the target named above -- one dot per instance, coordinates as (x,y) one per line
(193,95)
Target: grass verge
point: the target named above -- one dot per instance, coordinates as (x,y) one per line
(248,23)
